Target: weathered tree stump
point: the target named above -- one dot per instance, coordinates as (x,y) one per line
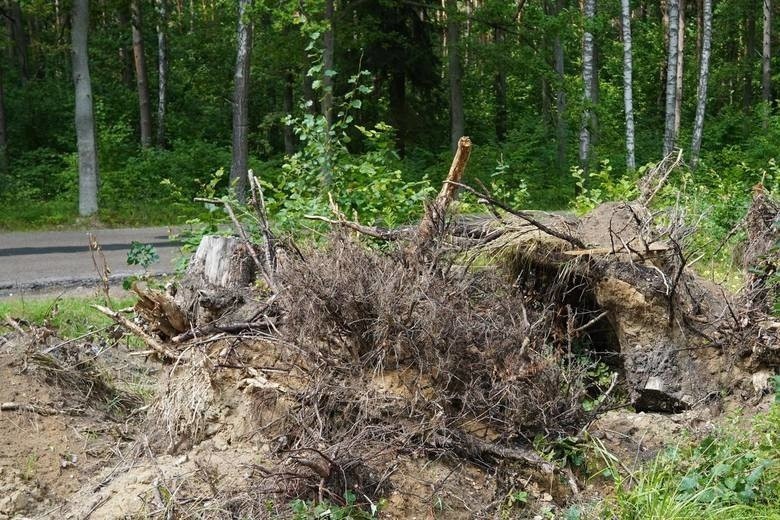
(218,279)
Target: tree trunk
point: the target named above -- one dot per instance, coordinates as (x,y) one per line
(58,18)
(701,95)
(328,52)
(3,132)
(289,135)
(145,113)
(750,52)
(628,90)
(501,110)
(671,76)
(162,70)
(680,58)
(20,40)
(85,120)
(457,118)
(561,130)
(766,77)
(125,51)
(238,169)
(589,11)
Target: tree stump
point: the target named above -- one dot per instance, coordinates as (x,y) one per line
(218,279)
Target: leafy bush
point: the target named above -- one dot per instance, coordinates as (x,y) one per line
(369,184)
(158,186)
(326,510)
(602,185)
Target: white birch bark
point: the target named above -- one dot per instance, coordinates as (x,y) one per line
(680,59)
(162,69)
(84,114)
(704,70)
(628,92)
(589,11)
(766,61)
(671,76)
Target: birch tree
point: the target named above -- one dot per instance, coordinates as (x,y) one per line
(238,168)
(85,119)
(589,11)
(628,92)
(457,118)
(162,69)
(680,59)
(701,94)
(145,113)
(766,60)
(671,76)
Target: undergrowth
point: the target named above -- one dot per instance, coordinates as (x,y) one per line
(731,474)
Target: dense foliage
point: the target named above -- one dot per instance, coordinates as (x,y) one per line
(392,112)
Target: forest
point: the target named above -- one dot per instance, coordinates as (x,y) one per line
(366,100)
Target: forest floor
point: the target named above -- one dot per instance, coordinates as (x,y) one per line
(67,453)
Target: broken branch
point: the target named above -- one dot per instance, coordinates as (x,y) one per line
(155,345)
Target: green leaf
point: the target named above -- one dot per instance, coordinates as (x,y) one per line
(721,469)
(689,483)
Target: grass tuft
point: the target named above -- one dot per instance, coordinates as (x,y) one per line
(728,475)
(69,316)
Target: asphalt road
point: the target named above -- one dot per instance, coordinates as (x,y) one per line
(41,261)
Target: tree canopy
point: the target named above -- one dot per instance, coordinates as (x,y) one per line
(531,82)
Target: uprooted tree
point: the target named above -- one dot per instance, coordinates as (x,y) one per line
(463,336)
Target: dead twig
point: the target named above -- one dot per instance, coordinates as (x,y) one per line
(372,231)
(432,223)
(15,325)
(102,268)
(258,201)
(230,328)
(35,408)
(576,242)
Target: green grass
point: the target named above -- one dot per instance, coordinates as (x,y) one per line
(63,214)
(70,316)
(24,215)
(730,474)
